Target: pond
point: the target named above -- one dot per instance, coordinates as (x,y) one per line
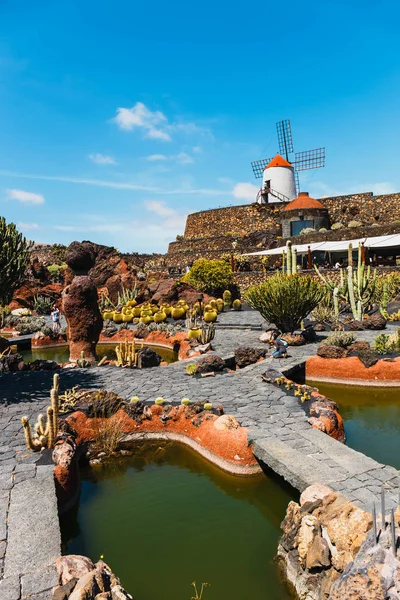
(371,418)
(61,353)
(166,517)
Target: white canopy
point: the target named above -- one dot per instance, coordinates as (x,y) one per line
(380,241)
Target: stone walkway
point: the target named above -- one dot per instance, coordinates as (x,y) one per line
(278,427)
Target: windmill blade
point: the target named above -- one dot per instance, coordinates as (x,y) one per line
(297,182)
(310,159)
(284,138)
(258,166)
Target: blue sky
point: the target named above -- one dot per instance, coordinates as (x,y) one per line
(118,119)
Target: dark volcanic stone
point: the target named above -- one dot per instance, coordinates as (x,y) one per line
(43,365)
(147,357)
(368,357)
(319,327)
(80,256)
(245,356)
(376,321)
(329,351)
(210,364)
(12,362)
(357,346)
(337,326)
(356,326)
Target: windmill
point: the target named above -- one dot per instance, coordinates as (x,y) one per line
(281,175)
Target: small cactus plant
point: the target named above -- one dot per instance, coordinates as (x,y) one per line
(44,431)
(185,401)
(190,369)
(208,406)
(134,399)
(237,305)
(227,297)
(82,362)
(159,401)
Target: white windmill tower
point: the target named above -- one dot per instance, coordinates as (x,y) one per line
(280,176)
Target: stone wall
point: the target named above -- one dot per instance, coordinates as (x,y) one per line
(364,207)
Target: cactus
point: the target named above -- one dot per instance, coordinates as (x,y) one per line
(134,399)
(191,368)
(207,333)
(44,430)
(356,288)
(191,319)
(208,406)
(82,363)
(237,305)
(14,257)
(127,356)
(159,401)
(185,401)
(227,297)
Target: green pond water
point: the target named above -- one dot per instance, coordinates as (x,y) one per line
(371,418)
(61,354)
(166,517)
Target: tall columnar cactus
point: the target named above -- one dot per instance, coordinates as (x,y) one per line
(14,257)
(357,287)
(44,430)
(127,355)
(291,259)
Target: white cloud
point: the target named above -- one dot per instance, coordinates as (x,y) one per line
(186,190)
(25,197)
(160,208)
(245,191)
(154,124)
(181,158)
(101,159)
(141,117)
(197,150)
(156,157)
(27,226)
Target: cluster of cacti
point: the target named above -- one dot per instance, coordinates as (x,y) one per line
(300,391)
(289,259)
(357,288)
(207,333)
(127,355)
(44,431)
(14,258)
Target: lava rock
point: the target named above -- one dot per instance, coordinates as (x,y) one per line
(356,325)
(368,357)
(210,364)
(43,365)
(309,334)
(319,327)
(147,357)
(358,346)
(329,351)
(12,362)
(337,326)
(245,356)
(375,322)
(80,257)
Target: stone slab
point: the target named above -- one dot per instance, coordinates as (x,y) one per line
(34,540)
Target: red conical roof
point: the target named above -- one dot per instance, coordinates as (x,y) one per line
(278,161)
(303,200)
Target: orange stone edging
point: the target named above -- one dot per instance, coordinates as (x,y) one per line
(351,370)
(228,448)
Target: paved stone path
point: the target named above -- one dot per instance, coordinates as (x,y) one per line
(278,427)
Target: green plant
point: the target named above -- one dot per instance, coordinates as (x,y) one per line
(27,325)
(159,401)
(289,259)
(336,226)
(285,300)
(134,399)
(354,224)
(207,333)
(190,369)
(323,314)
(307,230)
(44,431)
(340,338)
(208,406)
(357,287)
(5,311)
(57,270)
(107,434)
(383,344)
(185,401)
(126,295)
(82,363)
(14,258)
(209,276)
(42,304)
(237,305)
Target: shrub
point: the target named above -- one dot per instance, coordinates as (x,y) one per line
(355,224)
(56,270)
(383,344)
(285,300)
(337,226)
(307,230)
(340,338)
(14,258)
(209,276)
(323,313)
(107,433)
(42,304)
(27,325)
